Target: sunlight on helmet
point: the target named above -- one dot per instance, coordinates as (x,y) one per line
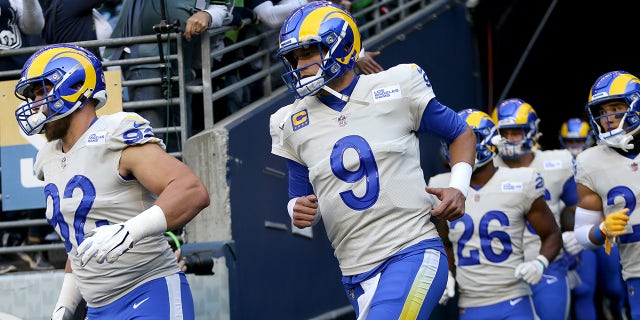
(486,135)
(575,136)
(321,26)
(515,114)
(613,109)
(64,76)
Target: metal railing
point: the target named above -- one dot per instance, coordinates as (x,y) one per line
(379,16)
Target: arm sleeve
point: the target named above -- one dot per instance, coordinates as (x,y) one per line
(274,16)
(219,14)
(30,16)
(441,121)
(299,184)
(570,193)
(584,220)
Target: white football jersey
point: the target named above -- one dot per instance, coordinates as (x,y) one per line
(84,190)
(364,164)
(556,167)
(616,179)
(488,239)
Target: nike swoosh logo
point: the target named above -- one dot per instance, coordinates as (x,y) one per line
(515,301)
(136,305)
(137,124)
(551,279)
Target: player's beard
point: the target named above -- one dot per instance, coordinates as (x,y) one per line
(57,129)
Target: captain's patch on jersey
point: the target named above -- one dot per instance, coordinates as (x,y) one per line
(96,138)
(512,187)
(299,120)
(387,93)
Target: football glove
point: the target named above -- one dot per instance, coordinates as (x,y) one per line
(105,243)
(449,290)
(570,243)
(531,271)
(615,223)
(111,241)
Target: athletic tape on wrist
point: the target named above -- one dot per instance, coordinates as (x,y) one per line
(461,177)
(149,222)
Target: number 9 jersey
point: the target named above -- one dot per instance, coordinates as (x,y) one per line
(84,190)
(364,164)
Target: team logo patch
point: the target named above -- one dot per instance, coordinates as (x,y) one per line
(387,93)
(300,120)
(512,187)
(96,138)
(552,165)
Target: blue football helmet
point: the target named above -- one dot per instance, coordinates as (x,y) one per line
(615,86)
(74,75)
(327,27)
(575,135)
(516,114)
(486,135)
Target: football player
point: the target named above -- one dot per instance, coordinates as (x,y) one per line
(352,150)
(109,203)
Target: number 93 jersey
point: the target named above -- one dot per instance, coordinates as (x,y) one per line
(616,179)
(488,239)
(364,164)
(84,190)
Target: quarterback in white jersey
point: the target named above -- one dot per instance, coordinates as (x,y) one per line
(487,242)
(108,202)
(518,126)
(352,150)
(608,178)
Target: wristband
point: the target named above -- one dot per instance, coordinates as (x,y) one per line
(543,260)
(597,233)
(461,177)
(290,205)
(149,222)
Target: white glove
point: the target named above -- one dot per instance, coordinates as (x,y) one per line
(531,271)
(570,243)
(67,300)
(449,290)
(111,241)
(105,242)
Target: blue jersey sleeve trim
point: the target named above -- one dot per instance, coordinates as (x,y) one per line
(299,184)
(441,121)
(570,193)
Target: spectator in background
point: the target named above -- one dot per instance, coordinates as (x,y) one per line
(75,20)
(138,18)
(18,19)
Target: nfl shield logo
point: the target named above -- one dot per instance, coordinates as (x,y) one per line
(634,167)
(342,120)
(476,197)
